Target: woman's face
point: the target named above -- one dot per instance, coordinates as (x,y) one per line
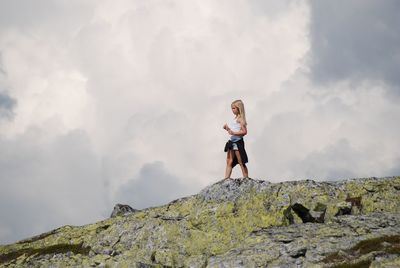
(235,110)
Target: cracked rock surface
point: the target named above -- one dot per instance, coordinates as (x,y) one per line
(235,223)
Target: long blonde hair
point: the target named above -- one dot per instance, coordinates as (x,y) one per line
(242,114)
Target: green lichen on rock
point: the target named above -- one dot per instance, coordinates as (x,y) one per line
(362,254)
(235,223)
(53,249)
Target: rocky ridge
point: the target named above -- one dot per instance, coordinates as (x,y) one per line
(236,223)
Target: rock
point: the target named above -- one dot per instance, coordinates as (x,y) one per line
(316,215)
(122,210)
(232,189)
(386,261)
(297,251)
(343,208)
(303,213)
(235,223)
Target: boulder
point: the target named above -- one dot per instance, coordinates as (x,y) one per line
(122,210)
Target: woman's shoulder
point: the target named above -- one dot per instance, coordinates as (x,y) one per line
(240,121)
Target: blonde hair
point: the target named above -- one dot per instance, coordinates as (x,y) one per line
(242,114)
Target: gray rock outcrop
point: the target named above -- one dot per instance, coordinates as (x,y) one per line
(236,223)
(122,210)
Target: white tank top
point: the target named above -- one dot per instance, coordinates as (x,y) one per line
(235,127)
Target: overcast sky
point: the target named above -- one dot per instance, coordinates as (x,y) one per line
(105,102)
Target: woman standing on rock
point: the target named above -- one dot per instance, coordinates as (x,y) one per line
(237,128)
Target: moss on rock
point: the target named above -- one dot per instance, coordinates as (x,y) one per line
(233,222)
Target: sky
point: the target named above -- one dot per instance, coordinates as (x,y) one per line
(105,102)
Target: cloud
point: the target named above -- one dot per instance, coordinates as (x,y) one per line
(56,17)
(125,101)
(355,40)
(335,161)
(105,90)
(341,131)
(271,9)
(395,170)
(48,182)
(7,105)
(153,186)
(342,160)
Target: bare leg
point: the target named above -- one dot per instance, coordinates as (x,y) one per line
(229,160)
(245,171)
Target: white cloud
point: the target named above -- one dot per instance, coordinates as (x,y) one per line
(48,181)
(131,94)
(153,186)
(313,128)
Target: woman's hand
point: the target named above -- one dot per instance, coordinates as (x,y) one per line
(230,131)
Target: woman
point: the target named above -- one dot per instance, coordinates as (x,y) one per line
(236,153)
